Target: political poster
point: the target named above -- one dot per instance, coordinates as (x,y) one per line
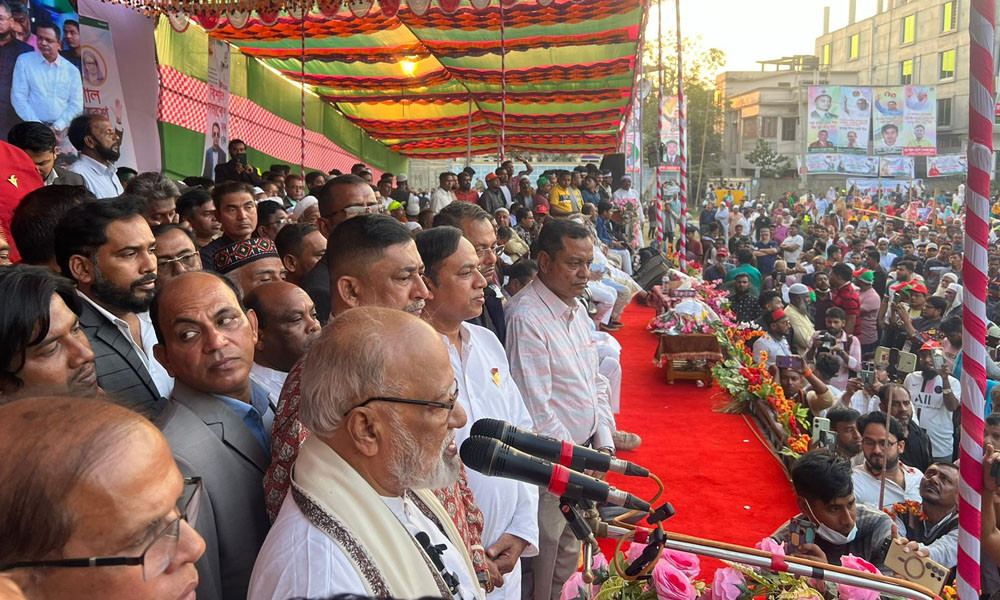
(887,120)
(819,164)
(670,133)
(943,165)
(824,101)
(867,185)
(853,122)
(896,166)
(217,105)
(102,86)
(854,164)
(920,121)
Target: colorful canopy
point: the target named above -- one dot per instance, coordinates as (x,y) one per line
(422,84)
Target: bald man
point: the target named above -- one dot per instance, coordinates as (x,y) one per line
(364,479)
(87,478)
(218,422)
(286,325)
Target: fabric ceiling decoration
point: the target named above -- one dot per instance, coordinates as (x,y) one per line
(408,74)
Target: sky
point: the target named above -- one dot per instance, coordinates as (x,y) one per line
(752,30)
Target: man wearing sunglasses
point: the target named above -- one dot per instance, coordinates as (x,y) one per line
(93,505)
(218,421)
(383,426)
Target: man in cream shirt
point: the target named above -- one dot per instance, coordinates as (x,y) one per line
(361,517)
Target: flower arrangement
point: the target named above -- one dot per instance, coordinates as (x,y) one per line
(906,508)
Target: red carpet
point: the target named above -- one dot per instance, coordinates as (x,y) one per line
(722,481)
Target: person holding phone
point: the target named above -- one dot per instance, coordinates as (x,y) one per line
(936,396)
(846,348)
(237,168)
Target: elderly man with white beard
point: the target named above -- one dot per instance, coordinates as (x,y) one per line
(361,517)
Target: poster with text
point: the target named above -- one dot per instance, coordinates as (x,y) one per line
(868,185)
(818,164)
(102,86)
(920,121)
(887,120)
(943,165)
(896,166)
(670,133)
(824,102)
(855,164)
(855,117)
(217,107)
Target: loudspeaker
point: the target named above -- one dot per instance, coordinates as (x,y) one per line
(616,164)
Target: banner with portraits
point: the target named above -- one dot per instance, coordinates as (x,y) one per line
(868,185)
(670,133)
(887,120)
(920,120)
(822,118)
(853,122)
(943,165)
(217,105)
(102,86)
(895,166)
(841,164)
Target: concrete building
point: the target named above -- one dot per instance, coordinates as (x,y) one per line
(769,105)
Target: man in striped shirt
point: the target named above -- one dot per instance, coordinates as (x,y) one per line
(554,362)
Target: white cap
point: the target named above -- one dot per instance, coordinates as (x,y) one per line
(883,239)
(413,206)
(401,178)
(302,205)
(257,190)
(797,288)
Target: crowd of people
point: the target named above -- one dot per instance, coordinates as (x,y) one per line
(203,388)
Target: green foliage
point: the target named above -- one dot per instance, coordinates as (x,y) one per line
(770,162)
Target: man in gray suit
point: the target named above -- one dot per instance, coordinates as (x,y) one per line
(39,143)
(218,422)
(107,248)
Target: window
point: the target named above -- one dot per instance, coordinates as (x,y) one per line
(826,54)
(769,127)
(906,71)
(946,60)
(852,46)
(944,112)
(949,17)
(788,129)
(909,28)
(749,128)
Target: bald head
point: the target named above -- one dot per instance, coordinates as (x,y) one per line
(356,357)
(287,324)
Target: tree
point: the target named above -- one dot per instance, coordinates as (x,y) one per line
(771,163)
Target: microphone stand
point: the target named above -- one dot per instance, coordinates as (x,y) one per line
(583,528)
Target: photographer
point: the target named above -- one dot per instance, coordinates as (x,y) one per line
(824,493)
(836,341)
(936,395)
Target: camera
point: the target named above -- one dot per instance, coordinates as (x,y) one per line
(825,341)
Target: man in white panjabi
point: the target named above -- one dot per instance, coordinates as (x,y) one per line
(485,390)
(361,517)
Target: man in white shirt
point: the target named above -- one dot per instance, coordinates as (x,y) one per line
(485,390)
(791,247)
(107,248)
(99,146)
(882,450)
(286,325)
(935,395)
(773,342)
(554,361)
(361,517)
(46,87)
(443,195)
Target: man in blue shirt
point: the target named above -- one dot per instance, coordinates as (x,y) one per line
(766,251)
(604,234)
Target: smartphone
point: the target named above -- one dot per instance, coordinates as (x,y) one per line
(882,356)
(917,569)
(907,362)
(867,373)
(822,434)
(938,361)
(242,159)
(793,362)
(800,531)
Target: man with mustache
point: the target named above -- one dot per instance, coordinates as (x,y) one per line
(99,145)
(936,529)
(383,426)
(46,351)
(218,421)
(236,211)
(882,449)
(485,390)
(109,250)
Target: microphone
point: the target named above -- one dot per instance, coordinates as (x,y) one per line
(495,459)
(566,454)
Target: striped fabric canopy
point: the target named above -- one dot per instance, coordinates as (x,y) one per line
(420,83)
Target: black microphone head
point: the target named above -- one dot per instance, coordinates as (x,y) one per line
(478,452)
(491,428)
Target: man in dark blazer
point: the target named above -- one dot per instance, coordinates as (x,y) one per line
(217,422)
(237,169)
(215,155)
(106,247)
(39,143)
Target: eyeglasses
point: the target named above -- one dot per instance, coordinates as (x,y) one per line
(448,405)
(882,444)
(155,558)
(359,209)
(496,249)
(185,260)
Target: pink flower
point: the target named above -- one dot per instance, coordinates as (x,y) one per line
(575,588)
(849,592)
(599,562)
(725,582)
(685,562)
(671,584)
(634,551)
(769,545)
